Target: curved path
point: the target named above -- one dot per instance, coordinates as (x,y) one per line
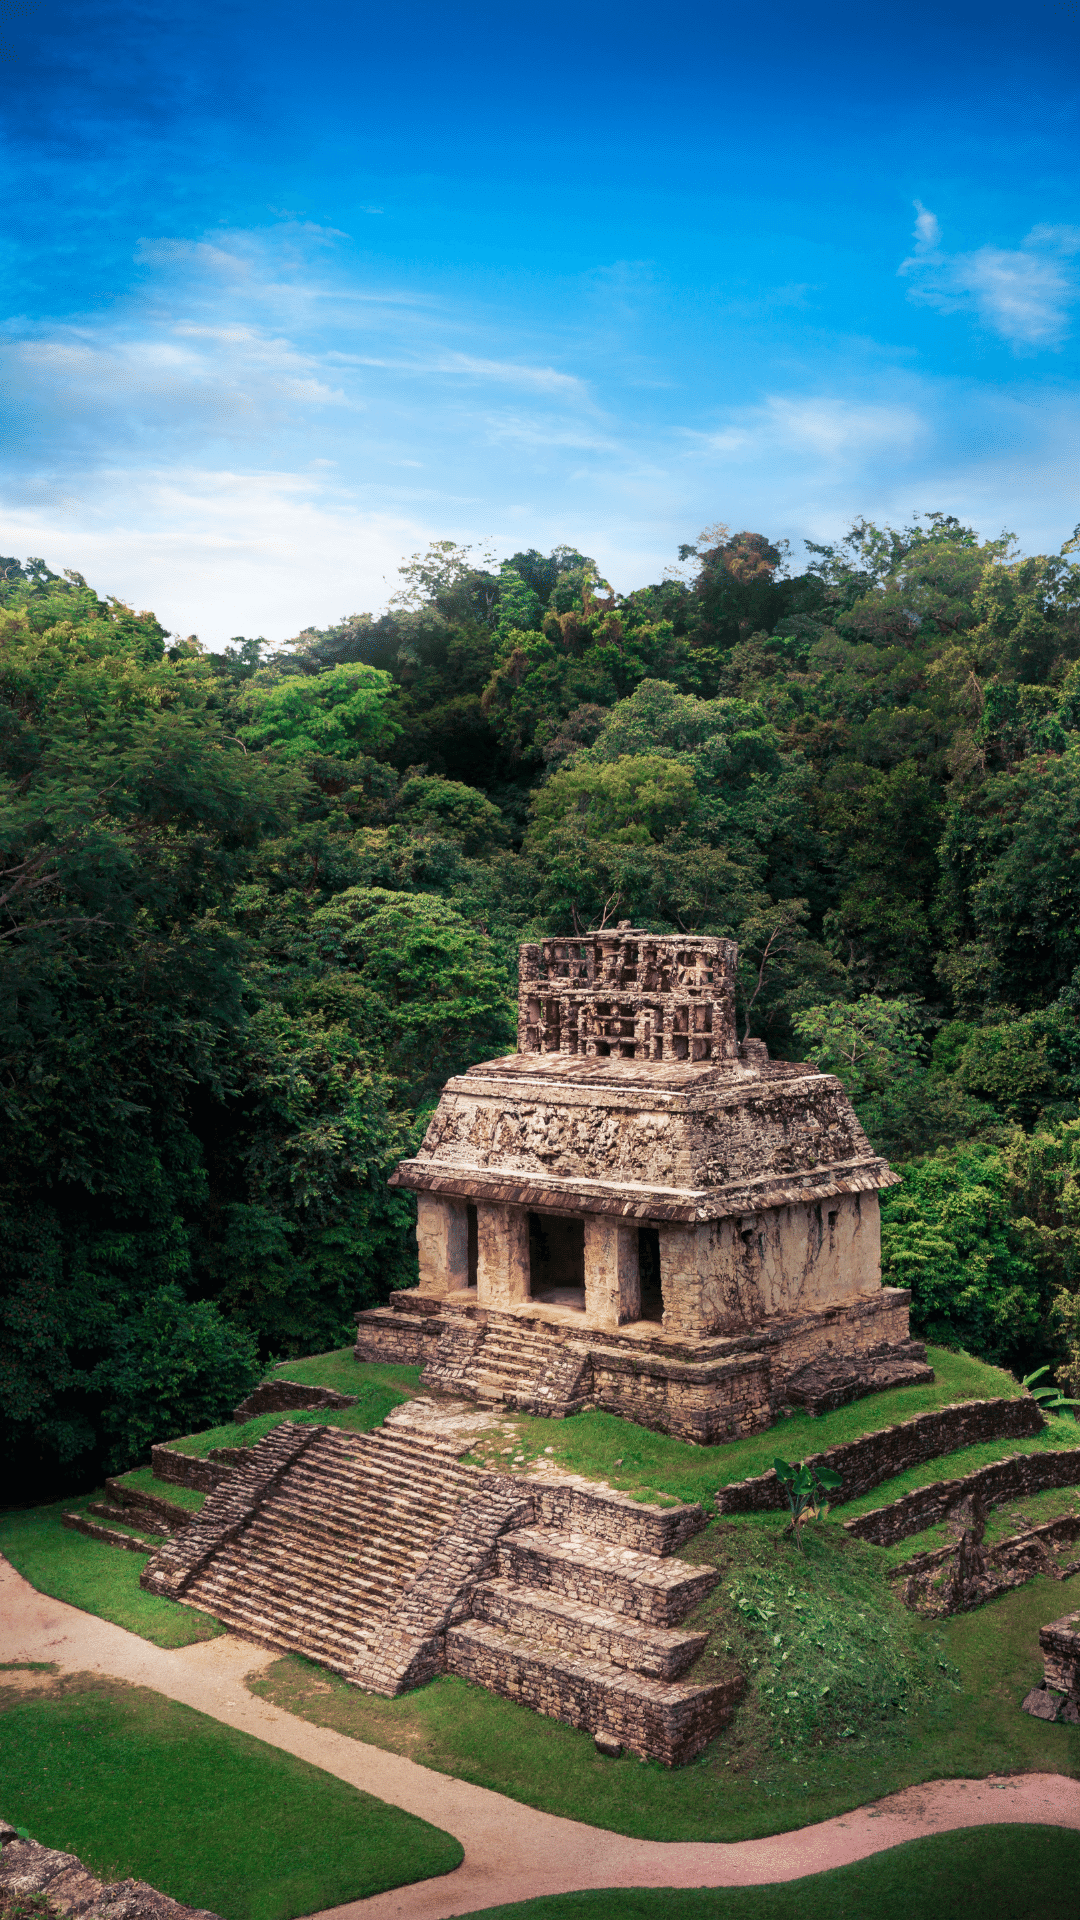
(511,1852)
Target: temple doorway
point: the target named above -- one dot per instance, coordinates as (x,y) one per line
(557,1260)
(652,1299)
(472,1243)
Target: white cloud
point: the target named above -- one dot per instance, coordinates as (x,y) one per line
(1023,294)
(827,428)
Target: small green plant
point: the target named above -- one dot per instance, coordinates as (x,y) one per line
(1050,1399)
(806,1488)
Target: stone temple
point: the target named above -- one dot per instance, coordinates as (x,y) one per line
(636,1211)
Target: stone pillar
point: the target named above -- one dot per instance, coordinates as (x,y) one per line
(683,1265)
(612,1280)
(502,1255)
(442,1239)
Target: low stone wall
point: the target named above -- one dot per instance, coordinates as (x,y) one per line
(1021,1474)
(204,1472)
(708,1402)
(864,1464)
(231,1505)
(289,1396)
(136,1501)
(573,1507)
(648,1717)
(28,1870)
(109,1536)
(403,1335)
(1060,1644)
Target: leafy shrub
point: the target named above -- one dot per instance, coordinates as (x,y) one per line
(176,1366)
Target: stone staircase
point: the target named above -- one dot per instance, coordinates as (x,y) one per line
(506,1362)
(317,1558)
(381,1557)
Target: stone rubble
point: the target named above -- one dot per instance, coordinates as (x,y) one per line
(27,1869)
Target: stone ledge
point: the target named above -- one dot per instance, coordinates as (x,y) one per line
(654,1719)
(289,1396)
(1018,1475)
(864,1464)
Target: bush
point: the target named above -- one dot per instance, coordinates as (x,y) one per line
(177,1365)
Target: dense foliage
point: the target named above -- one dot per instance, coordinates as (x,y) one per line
(255,910)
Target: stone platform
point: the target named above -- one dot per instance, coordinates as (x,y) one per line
(383,1558)
(543,1359)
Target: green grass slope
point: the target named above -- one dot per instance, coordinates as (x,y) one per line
(139,1785)
(957,1713)
(100,1579)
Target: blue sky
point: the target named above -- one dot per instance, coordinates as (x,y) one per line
(288,293)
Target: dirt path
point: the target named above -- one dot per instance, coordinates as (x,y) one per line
(511,1852)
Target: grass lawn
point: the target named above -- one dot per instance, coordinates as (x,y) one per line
(747,1783)
(138,1785)
(378,1388)
(650,1465)
(100,1579)
(1027,1873)
(143,1480)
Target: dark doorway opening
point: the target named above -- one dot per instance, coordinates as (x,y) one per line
(557,1260)
(471,1241)
(652,1299)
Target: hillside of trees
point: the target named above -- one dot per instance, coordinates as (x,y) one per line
(256,906)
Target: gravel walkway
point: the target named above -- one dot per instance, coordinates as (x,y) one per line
(511,1852)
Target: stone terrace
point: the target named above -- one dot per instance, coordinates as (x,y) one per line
(381,1557)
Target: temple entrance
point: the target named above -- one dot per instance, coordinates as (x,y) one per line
(557,1260)
(652,1299)
(472,1243)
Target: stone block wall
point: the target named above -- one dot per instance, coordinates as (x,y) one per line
(728,1275)
(638,1714)
(29,1871)
(863,1464)
(1060,1644)
(204,1472)
(708,1402)
(1021,1474)
(288,1396)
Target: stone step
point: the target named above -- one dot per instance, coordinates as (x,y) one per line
(287,1634)
(141,1517)
(594,1573)
(279,1550)
(348,1520)
(653,1718)
(592,1633)
(241,1577)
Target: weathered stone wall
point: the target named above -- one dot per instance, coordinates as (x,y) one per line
(863,1464)
(288,1396)
(1021,1474)
(1060,1644)
(709,1402)
(639,1714)
(28,1870)
(192,1470)
(406,1333)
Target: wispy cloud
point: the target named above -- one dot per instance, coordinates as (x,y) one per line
(829,429)
(1024,294)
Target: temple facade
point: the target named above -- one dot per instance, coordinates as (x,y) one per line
(637,1211)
